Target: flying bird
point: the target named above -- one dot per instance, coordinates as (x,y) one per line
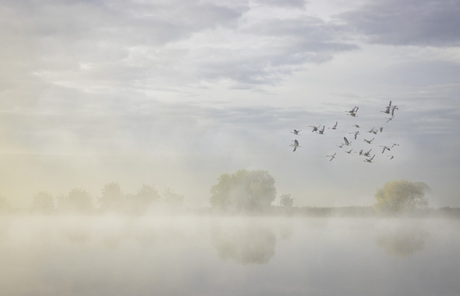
(347,143)
(331,156)
(389,118)
(295,145)
(387,110)
(369,141)
(349,151)
(369,159)
(335,126)
(391,156)
(321,131)
(393,110)
(355,134)
(353,111)
(368,153)
(385,148)
(296,132)
(315,128)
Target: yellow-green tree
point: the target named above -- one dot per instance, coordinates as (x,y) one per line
(401,196)
(243,191)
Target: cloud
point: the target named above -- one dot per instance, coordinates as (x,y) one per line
(136,44)
(414,22)
(282,3)
(267,51)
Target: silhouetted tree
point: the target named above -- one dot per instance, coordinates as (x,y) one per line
(243,191)
(112,199)
(141,201)
(172,199)
(286,201)
(43,203)
(401,196)
(78,201)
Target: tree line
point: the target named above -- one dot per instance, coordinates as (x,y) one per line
(242,192)
(112,200)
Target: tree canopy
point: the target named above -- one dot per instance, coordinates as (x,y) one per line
(112,198)
(243,191)
(286,201)
(78,201)
(401,196)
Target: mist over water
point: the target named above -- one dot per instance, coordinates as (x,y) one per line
(180,255)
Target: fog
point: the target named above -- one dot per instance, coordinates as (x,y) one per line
(209,255)
(164,97)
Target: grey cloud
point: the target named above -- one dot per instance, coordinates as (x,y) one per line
(66,33)
(149,43)
(282,3)
(288,45)
(124,21)
(413,22)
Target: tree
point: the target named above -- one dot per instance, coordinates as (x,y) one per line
(286,201)
(78,201)
(43,203)
(172,199)
(243,191)
(141,201)
(401,196)
(112,198)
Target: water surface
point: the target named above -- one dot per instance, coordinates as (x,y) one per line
(228,256)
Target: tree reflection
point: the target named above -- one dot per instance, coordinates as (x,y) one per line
(246,244)
(401,239)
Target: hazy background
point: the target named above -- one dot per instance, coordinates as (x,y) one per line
(175,93)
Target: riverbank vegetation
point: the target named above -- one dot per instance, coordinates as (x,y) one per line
(243,193)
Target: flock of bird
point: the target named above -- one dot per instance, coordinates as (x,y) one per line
(369,151)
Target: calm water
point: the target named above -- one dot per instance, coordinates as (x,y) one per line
(229,256)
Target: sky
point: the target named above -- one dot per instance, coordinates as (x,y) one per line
(176,93)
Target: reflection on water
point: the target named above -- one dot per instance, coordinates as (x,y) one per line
(401,238)
(247,244)
(228,256)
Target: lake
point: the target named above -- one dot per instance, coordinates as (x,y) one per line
(229,256)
